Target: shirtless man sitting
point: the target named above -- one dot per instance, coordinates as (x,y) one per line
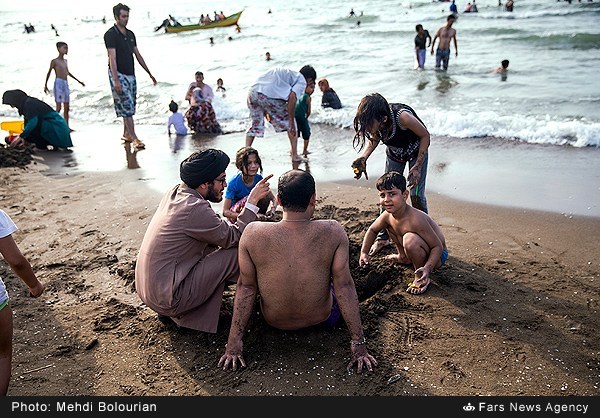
(445,34)
(310,288)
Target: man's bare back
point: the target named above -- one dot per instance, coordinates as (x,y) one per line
(293,264)
(296,290)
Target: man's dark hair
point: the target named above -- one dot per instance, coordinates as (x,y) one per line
(391,179)
(308,72)
(199,73)
(241,159)
(173,106)
(117,9)
(419,26)
(450,17)
(60,44)
(295,189)
(372,107)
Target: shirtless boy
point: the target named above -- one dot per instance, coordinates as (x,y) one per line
(310,288)
(418,238)
(61,85)
(445,34)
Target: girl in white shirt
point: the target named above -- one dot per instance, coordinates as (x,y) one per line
(176,120)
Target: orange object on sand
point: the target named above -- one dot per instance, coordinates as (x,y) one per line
(12,126)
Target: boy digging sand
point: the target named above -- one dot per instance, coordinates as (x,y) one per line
(61,85)
(418,238)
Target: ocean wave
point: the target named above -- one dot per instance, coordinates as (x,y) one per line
(548,130)
(582,41)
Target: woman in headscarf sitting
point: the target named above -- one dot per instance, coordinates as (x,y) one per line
(201,117)
(43,125)
(330,97)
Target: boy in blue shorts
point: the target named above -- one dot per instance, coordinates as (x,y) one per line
(62,93)
(418,238)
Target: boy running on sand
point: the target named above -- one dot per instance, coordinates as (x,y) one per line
(418,238)
(61,85)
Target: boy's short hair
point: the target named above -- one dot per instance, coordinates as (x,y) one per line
(450,17)
(419,26)
(199,73)
(391,179)
(504,63)
(60,44)
(117,9)
(295,189)
(241,158)
(173,106)
(308,72)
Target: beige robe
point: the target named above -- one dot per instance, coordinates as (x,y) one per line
(187,256)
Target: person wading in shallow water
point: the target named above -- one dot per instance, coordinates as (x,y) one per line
(446,34)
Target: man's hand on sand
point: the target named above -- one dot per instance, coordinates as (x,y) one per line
(232,358)
(362,358)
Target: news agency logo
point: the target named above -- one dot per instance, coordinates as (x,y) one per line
(468,407)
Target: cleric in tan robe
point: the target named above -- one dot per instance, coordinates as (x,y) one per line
(189,253)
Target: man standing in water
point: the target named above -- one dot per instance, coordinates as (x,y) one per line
(420,45)
(121,46)
(445,34)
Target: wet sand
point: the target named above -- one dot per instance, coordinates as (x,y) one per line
(514,311)
(489,171)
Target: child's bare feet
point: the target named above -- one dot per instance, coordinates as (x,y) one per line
(397,258)
(378,245)
(415,289)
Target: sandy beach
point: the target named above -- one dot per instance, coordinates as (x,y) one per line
(513,312)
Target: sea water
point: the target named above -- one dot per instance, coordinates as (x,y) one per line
(550,97)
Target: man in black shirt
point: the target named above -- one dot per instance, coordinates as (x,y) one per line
(420,48)
(121,46)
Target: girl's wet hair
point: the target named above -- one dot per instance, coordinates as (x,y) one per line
(390,180)
(372,107)
(242,156)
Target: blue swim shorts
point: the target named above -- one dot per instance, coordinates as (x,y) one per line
(126,100)
(444,256)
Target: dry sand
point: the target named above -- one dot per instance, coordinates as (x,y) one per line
(513,312)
